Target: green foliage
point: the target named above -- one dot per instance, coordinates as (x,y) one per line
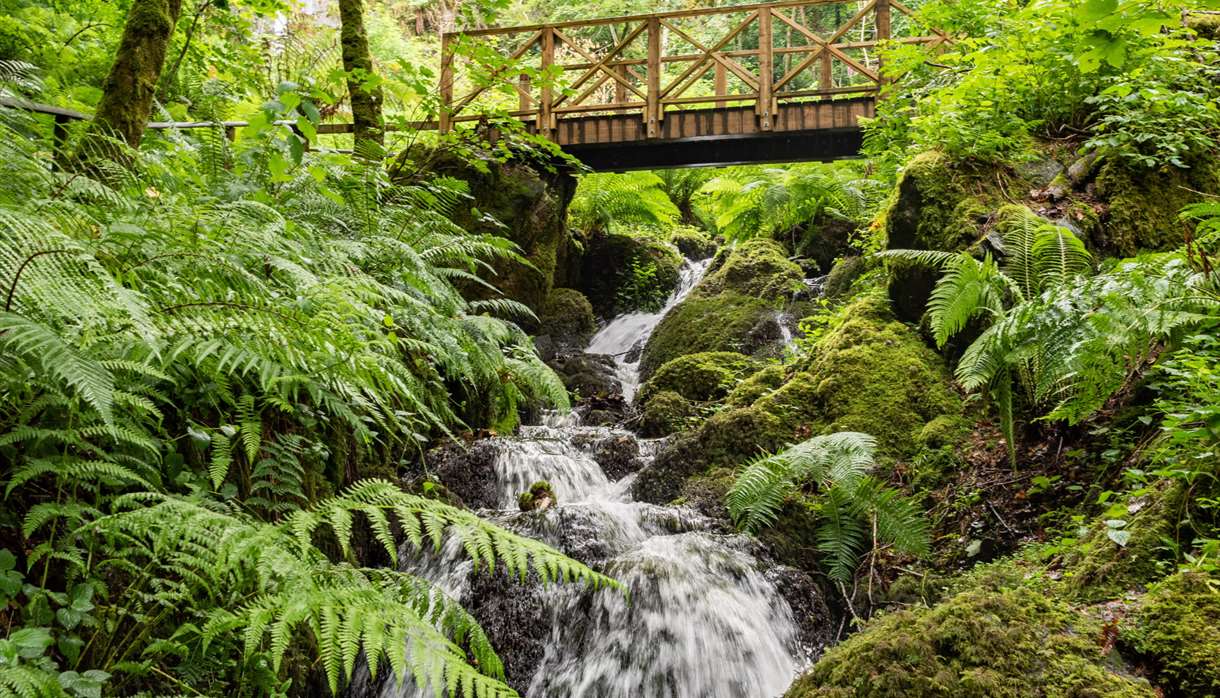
(746,202)
(638,287)
(851,503)
(1120,71)
(633,200)
(1070,341)
(192,357)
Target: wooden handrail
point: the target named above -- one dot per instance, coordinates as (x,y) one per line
(630,74)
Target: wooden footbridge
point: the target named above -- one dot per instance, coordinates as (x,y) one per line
(773,82)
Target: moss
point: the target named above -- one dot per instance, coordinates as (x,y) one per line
(567,316)
(931,209)
(756,386)
(996,644)
(1175,629)
(1206,25)
(529,206)
(538,497)
(664,413)
(945,430)
(875,375)
(606,275)
(842,275)
(1143,205)
(692,242)
(724,322)
(734,308)
(758,268)
(1097,568)
(701,377)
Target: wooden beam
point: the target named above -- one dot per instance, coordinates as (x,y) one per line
(653,112)
(545,122)
(766,70)
(446,83)
(722,85)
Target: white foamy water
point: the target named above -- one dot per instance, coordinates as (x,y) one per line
(698,619)
(629,331)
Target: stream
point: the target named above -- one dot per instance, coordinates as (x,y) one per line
(703,619)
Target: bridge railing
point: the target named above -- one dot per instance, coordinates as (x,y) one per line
(759,55)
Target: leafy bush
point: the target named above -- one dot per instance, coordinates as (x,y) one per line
(851,504)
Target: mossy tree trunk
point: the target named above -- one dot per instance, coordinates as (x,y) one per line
(129,89)
(358,63)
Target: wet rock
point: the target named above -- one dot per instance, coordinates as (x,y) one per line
(610,264)
(539,497)
(692,242)
(816,623)
(617,453)
(467,470)
(566,319)
(588,376)
(1040,172)
(516,616)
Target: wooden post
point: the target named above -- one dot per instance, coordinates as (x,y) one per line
(59,141)
(620,90)
(653,110)
(523,93)
(883,33)
(722,84)
(545,118)
(827,82)
(766,68)
(443,118)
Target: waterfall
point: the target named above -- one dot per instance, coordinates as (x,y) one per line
(698,619)
(624,336)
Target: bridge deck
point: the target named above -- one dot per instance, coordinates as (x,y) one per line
(771,82)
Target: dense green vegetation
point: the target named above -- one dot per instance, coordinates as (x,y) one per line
(994,439)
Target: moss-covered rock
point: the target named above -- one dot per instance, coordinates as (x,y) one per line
(1010,643)
(1142,207)
(1098,568)
(931,209)
(758,268)
(1205,24)
(725,322)
(874,374)
(529,206)
(663,413)
(842,275)
(1175,628)
(622,272)
(757,385)
(871,374)
(734,308)
(567,317)
(692,242)
(701,377)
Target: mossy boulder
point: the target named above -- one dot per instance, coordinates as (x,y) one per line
(1142,206)
(664,413)
(1098,568)
(874,374)
(692,242)
(758,268)
(843,274)
(527,203)
(734,308)
(1175,629)
(567,318)
(1011,643)
(1205,24)
(757,385)
(931,208)
(622,272)
(702,377)
(871,374)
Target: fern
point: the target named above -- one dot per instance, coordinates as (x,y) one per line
(854,509)
(635,199)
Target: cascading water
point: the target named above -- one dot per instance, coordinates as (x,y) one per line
(624,337)
(698,618)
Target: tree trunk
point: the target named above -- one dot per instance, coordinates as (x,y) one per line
(129,89)
(358,64)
